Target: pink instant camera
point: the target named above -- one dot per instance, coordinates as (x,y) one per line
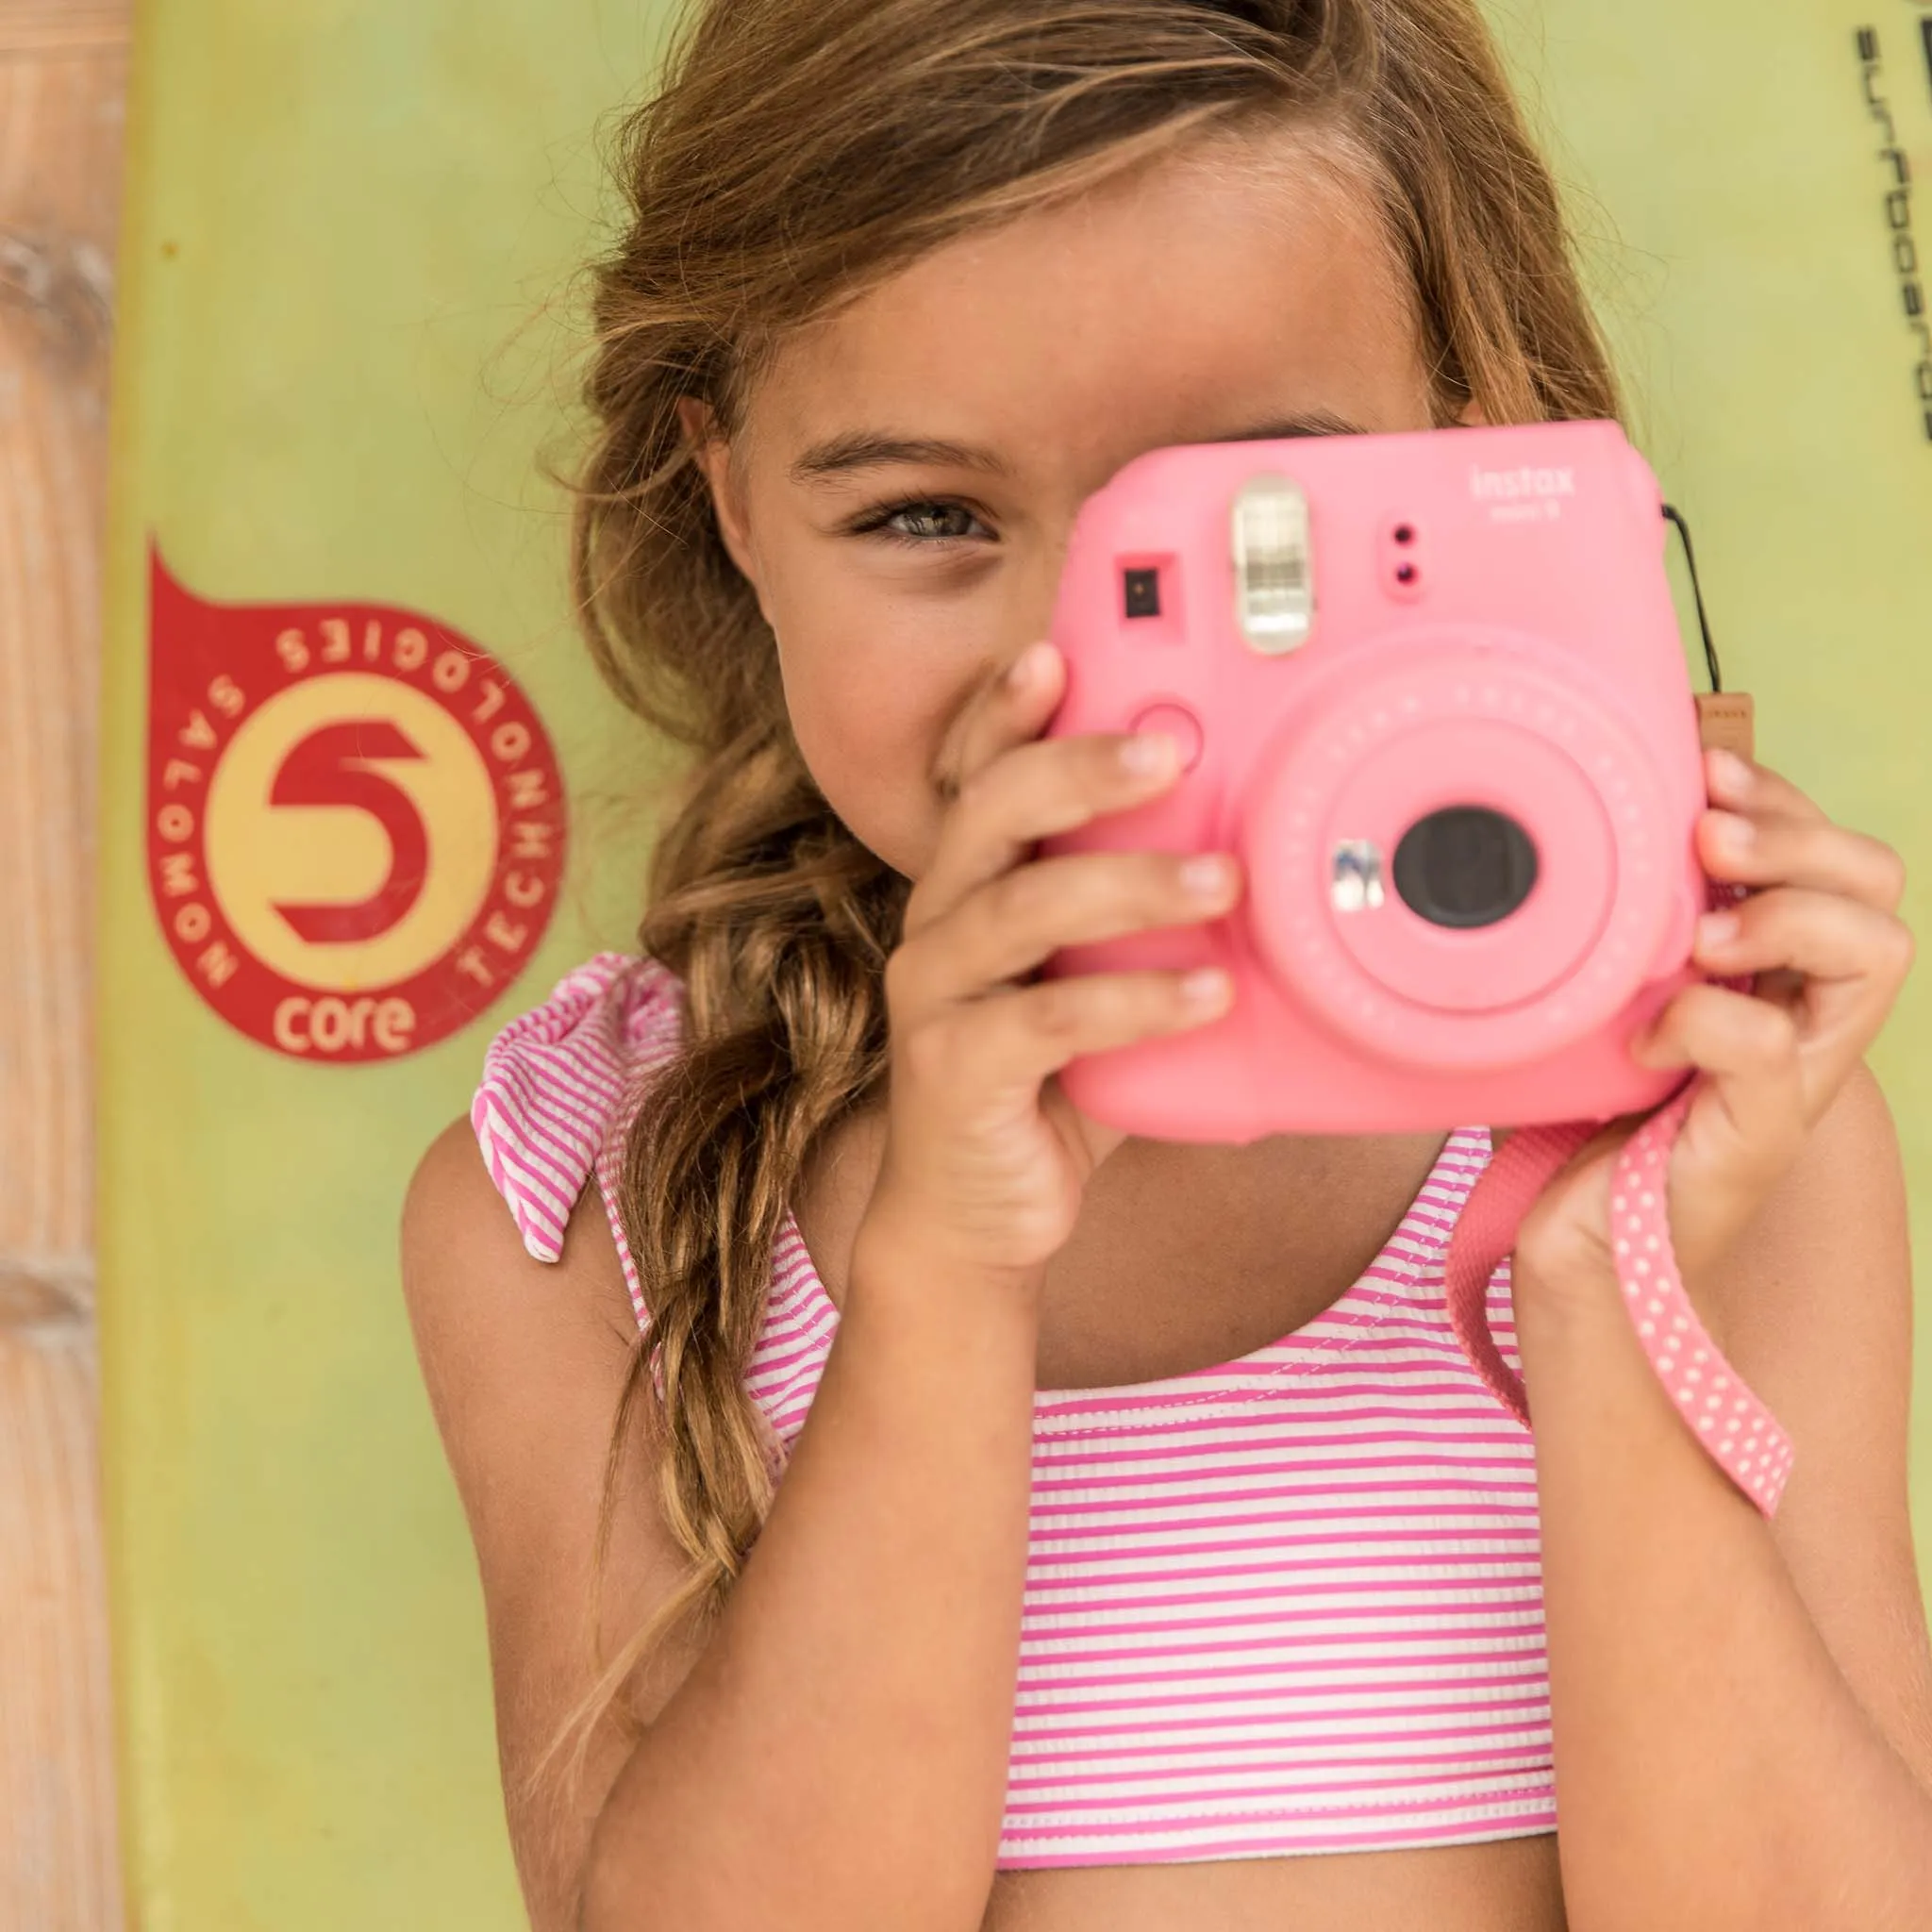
(1431,688)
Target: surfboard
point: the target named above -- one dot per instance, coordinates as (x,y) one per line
(363,800)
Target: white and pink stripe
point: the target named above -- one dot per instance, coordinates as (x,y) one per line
(1291,1604)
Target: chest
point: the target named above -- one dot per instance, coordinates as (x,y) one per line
(1291,1603)
(1183,1258)
(1284,1602)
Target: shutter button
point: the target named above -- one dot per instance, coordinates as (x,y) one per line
(1177,722)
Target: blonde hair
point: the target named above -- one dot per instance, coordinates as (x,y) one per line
(798,152)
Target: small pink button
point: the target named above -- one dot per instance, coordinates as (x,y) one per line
(1177,722)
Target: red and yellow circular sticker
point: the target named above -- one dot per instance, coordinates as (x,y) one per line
(355,821)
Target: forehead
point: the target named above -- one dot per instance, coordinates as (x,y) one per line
(1211,288)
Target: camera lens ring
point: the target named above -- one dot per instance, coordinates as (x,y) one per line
(1498,682)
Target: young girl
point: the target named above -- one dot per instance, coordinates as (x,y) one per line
(989,1521)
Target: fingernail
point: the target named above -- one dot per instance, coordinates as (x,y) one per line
(1718,930)
(1206,988)
(1150,755)
(1208,877)
(1732,834)
(1027,667)
(1729,774)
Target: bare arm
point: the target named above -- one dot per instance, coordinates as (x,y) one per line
(835,1755)
(837,1758)
(524,1362)
(1743,1709)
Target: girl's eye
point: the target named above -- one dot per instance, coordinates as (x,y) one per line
(922,521)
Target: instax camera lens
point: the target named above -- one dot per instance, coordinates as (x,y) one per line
(1465,867)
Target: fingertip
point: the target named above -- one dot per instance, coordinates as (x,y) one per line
(1727,841)
(1726,775)
(1037,666)
(1206,991)
(1652,1048)
(1717,931)
(1006,708)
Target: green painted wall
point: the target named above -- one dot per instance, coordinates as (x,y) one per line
(346,220)
(348,224)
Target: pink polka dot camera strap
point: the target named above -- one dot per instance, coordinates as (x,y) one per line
(1740,1435)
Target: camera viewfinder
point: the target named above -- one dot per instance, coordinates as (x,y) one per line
(1143,592)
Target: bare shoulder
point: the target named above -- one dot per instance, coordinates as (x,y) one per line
(534,1344)
(1817,1310)
(525,1363)
(1828,1255)
(465,1267)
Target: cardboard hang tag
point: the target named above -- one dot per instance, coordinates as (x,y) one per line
(1727,721)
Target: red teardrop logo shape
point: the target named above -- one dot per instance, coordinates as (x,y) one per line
(355,820)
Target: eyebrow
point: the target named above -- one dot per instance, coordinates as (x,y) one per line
(1315,422)
(870,449)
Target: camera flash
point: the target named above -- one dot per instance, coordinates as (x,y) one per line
(1274,595)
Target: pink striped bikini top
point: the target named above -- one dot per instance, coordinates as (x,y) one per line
(1288,1604)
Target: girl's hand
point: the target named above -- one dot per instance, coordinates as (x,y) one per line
(1820,932)
(984,1157)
